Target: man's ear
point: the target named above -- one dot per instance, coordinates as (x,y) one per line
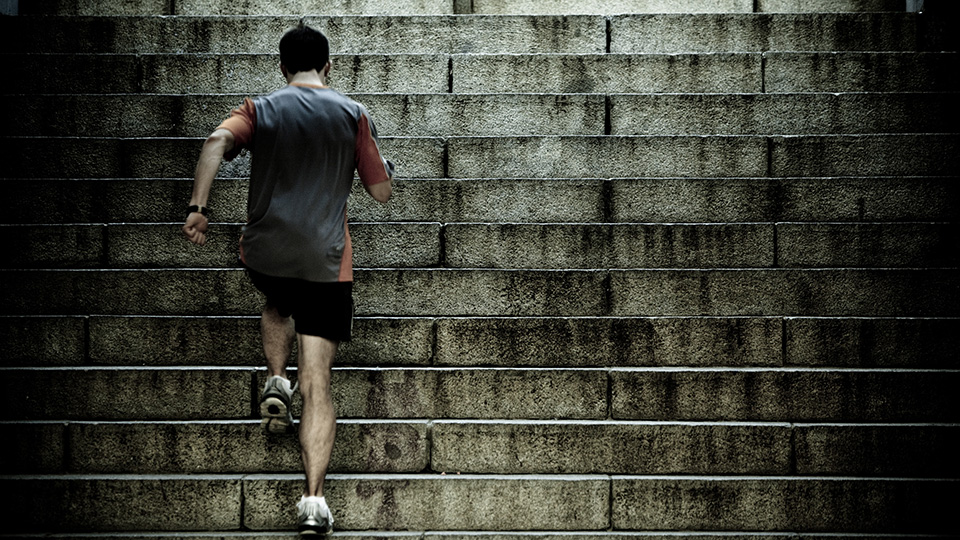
(327,67)
(283,69)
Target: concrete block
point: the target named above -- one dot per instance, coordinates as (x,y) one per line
(347,34)
(469,393)
(623,341)
(865,155)
(396,245)
(87,73)
(912,245)
(438,502)
(859,72)
(608,73)
(124,503)
(129,292)
(611,6)
(608,246)
(438,115)
(901,342)
(175,158)
(52,246)
(38,341)
(94,7)
(783,395)
(913,451)
(736,32)
(86,200)
(239,447)
(591,157)
(607,447)
(32,448)
(192,341)
(699,200)
(125,394)
(841,292)
(486,200)
(781,503)
(297,7)
(479,293)
(795,6)
(779,114)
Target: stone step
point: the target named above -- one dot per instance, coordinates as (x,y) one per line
(849,292)
(205,447)
(611,7)
(483,245)
(488,447)
(491,200)
(208,7)
(453,502)
(493,73)
(499,341)
(667,394)
(526,157)
(647,33)
(439,115)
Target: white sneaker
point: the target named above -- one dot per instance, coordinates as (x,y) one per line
(275,405)
(315,516)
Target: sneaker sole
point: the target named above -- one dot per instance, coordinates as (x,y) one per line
(276,417)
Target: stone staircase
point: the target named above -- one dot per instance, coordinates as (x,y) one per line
(653,269)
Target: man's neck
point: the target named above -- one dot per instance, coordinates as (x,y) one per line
(307,77)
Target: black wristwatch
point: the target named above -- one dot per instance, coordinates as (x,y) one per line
(197,208)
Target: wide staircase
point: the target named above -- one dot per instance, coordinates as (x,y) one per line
(652,268)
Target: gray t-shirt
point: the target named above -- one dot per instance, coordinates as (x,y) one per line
(306,142)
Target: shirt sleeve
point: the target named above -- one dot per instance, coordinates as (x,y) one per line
(371,166)
(242,123)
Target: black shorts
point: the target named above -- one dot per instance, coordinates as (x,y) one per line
(318,309)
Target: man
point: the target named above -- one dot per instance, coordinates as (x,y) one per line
(306,141)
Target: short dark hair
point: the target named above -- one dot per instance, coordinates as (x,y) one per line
(303,49)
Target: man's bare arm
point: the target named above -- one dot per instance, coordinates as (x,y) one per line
(217,144)
(381,191)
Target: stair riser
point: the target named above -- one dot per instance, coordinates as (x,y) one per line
(648,200)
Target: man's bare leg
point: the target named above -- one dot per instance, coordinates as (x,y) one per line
(278,334)
(318,422)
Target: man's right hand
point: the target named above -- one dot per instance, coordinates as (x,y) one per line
(195,228)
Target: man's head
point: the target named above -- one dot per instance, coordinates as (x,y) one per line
(304,49)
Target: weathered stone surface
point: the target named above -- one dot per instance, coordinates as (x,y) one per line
(784,395)
(52,246)
(592,157)
(865,155)
(699,200)
(32,448)
(479,292)
(486,200)
(913,245)
(780,503)
(435,502)
(900,342)
(39,341)
(70,157)
(195,341)
(465,115)
(240,447)
(608,246)
(611,6)
(779,114)
(298,7)
(610,447)
(859,72)
(795,6)
(877,450)
(117,503)
(625,341)
(469,393)
(112,394)
(840,292)
(684,32)
(608,73)
(396,245)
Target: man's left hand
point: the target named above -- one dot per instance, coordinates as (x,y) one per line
(195,228)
